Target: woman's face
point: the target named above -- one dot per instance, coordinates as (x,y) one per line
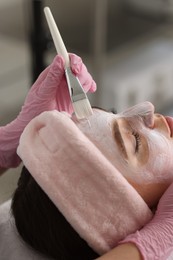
(138,142)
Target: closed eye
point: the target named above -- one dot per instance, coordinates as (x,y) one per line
(138,141)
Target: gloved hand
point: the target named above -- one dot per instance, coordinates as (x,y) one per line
(155,240)
(49,92)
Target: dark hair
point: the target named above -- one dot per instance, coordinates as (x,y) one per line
(42,226)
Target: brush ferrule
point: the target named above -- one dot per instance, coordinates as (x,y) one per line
(74,85)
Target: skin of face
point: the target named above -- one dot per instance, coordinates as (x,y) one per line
(138,143)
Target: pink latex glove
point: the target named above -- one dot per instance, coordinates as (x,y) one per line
(155,240)
(49,92)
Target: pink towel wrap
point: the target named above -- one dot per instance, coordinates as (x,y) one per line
(89,191)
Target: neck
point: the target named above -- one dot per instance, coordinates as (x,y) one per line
(151,193)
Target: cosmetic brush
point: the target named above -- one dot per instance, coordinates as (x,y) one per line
(80,102)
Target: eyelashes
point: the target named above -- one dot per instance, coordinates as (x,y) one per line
(138,141)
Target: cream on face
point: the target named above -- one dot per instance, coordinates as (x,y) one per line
(137,142)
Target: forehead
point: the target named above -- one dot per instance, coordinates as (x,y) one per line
(101,114)
(101,118)
(139,109)
(143,110)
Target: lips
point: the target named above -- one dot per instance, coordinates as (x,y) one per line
(169,121)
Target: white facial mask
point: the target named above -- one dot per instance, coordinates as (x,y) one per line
(159,165)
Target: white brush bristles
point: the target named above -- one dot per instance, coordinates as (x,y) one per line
(82,108)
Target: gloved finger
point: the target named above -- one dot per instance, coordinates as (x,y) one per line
(80,70)
(89,85)
(75,63)
(93,87)
(54,76)
(86,80)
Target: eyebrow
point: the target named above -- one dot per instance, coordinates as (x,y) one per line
(119,139)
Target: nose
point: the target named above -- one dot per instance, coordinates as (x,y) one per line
(161,124)
(148,116)
(145,110)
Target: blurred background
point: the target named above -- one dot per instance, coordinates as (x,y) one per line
(127,46)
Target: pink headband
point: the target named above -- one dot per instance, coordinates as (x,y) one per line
(93,196)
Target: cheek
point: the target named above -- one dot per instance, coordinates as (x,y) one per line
(160,164)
